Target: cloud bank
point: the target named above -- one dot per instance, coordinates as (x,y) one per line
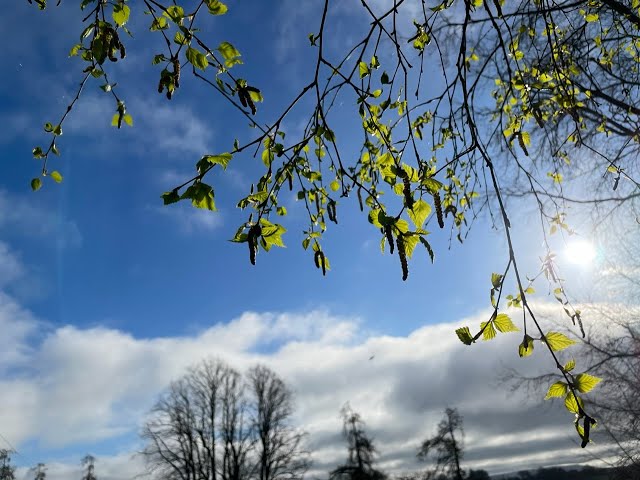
(69,386)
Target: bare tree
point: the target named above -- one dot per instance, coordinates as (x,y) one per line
(7,471)
(88,462)
(205,427)
(280,454)
(184,427)
(39,471)
(359,465)
(448,447)
(234,429)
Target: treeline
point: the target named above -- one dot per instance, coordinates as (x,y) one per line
(215,423)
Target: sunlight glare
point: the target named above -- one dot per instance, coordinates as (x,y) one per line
(580,252)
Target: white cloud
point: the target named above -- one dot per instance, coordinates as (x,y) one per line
(79,386)
(190,219)
(160,128)
(24,215)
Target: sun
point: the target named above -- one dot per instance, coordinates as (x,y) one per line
(580,252)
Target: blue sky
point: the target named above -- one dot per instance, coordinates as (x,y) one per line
(97,270)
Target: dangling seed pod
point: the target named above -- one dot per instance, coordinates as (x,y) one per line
(319,260)
(538,116)
(331,211)
(176,72)
(123,52)
(406,189)
(360,200)
(254,233)
(290,180)
(522,145)
(402,254)
(160,85)
(389,235)
(438,204)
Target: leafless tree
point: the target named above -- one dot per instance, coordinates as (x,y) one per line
(7,471)
(88,462)
(205,427)
(447,444)
(39,471)
(280,455)
(234,429)
(359,465)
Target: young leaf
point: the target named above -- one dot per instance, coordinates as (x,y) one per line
(36,184)
(419,213)
(558,389)
(230,53)
(504,324)
(221,159)
(489,332)
(558,341)
(364,69)
(464,335)
(121,14)
(56,176)
(170,197)
(570,365)
(197,58)
(216,7)
(526,347)
(585,382)
(572,401)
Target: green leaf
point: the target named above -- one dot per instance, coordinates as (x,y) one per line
(159,23)
(364,69)
(570,365)
(56,176)
(128,119)
(282,211)
(230,54)
(585,382)
(75,49)
(179,39)
(221,159)
(504,324)
(496,280)
(197,58)
(558,389)
(464,335)
(201,196)
(121,14)
(558,341)
(419,213)
(36,184)
(384,78)
(335,185)
(526,347)
(216,7)
(272,234)
(488,331)
(175,13)
(572,401)
(170,197)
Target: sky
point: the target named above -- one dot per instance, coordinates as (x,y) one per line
(106,295)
